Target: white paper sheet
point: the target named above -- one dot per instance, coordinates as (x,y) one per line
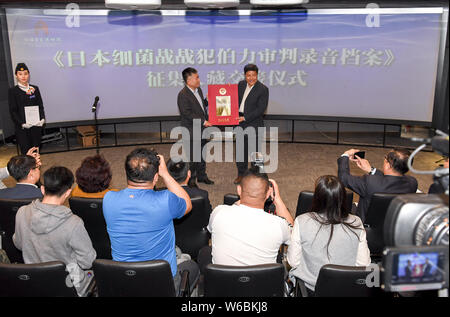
(32,115)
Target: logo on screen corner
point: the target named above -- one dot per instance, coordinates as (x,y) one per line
(41,28)
(42,36)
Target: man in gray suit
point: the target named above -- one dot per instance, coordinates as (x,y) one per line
(25,169)
(193,106)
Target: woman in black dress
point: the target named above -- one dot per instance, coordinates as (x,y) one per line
(23,95)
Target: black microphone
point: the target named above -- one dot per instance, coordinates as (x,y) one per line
(94,106)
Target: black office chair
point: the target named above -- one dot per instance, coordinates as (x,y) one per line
(190,231)
(340,281)
(8,211)
(137,279)
(376,213)
(47,279)
(265,280)
(90,210)
(230,199)
(305,197)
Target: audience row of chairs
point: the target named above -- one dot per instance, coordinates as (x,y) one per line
(191,235)
(154,279)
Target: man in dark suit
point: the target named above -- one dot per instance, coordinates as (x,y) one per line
(391,181)
(26,171)
(408,269)
(426,268)
(181,173)
(253,101)
(194,108)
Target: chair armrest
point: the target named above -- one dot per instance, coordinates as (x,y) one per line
(300,288)
(92,290)
(2,234)
(184,290)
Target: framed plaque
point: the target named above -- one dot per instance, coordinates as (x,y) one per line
(223,104)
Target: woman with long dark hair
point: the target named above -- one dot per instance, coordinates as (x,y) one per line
(327,234)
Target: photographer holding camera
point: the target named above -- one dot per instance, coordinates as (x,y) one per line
(140,220)
(391,181)
(25,169)
(244,234)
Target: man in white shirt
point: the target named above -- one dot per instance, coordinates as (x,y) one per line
(253,100)
(244,234)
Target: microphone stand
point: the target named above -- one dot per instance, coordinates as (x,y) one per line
(96,131)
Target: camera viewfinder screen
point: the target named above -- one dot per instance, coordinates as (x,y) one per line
(418,268)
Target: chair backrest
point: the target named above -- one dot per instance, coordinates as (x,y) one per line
(265,280)
(305,197)
(230,199)
(190,231)
(48,279)
(133,279)
(343,281)
(376,213)
(8,211)
(90,210)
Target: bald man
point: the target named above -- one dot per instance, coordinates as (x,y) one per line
(244,234)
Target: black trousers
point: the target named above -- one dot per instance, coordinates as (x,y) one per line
(27,138)
(243,165)
(198,169)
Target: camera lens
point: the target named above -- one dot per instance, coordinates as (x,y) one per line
(433,227)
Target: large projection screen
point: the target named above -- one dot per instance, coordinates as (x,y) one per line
(338,63)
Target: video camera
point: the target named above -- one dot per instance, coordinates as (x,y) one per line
(257,159)
(416,232)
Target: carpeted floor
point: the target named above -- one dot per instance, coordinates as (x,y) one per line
(299,166)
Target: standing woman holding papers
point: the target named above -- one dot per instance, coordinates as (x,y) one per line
(26,109)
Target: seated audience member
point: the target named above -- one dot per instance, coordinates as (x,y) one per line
(328,234)
(440,185)
(391,181)
(25,169)
(34,152)
(93,178)
(140,220)
(181,173)
(3,174)
(49,231)
(244,234)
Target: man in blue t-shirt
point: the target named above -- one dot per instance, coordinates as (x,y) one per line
(140,220)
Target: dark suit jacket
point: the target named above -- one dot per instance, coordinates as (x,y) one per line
(198,192)
(21,191)
(255,104)
(18,100)
(190,109)
(367,185)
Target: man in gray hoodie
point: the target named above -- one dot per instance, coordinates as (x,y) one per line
(48,231)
